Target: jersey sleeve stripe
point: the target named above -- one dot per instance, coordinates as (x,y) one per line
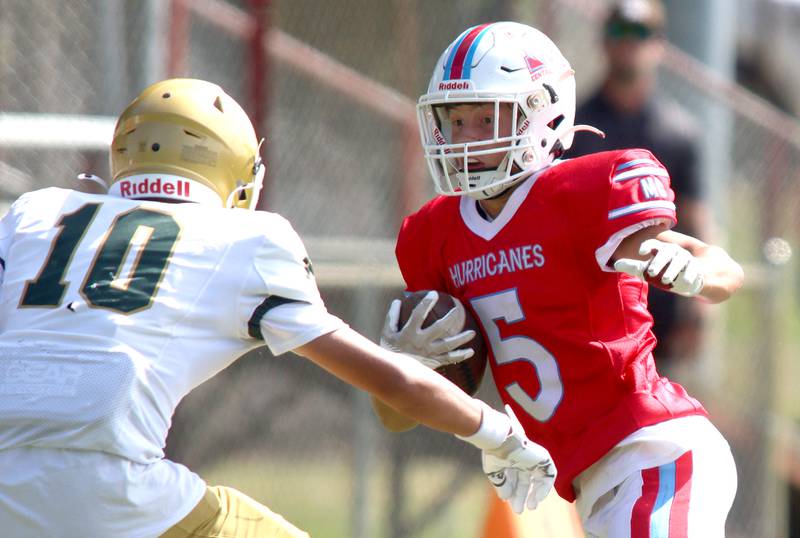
(635,162)
(254,324)
(603,254)
(641,206)
(639,172)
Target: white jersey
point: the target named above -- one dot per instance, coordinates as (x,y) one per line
(112,310)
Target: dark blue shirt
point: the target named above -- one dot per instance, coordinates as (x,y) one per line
(670,133)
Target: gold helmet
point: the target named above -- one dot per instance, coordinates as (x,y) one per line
(186,140)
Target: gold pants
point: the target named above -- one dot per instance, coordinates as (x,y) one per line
(226,513)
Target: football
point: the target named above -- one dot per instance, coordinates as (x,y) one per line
(655,280)
(467,374)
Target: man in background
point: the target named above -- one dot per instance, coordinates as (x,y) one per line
(627,108)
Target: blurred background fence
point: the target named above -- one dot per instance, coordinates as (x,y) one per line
(331,86)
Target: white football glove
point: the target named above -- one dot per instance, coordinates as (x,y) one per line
(684,273)
(433,346)
(521,471)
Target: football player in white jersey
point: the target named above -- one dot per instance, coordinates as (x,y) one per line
(113,307)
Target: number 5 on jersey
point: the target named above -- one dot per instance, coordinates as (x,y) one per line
(505,306)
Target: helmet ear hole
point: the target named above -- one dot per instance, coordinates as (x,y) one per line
(555,122)
(558,149)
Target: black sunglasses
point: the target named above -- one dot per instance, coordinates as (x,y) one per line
(630,30)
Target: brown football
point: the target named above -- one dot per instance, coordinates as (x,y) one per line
(468,373)
(656,280)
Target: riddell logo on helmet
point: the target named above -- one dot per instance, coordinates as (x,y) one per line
(169,187)
(437,135)
(455,85)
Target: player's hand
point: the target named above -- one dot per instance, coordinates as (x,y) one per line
(682,272)
(520,470)
(433,346)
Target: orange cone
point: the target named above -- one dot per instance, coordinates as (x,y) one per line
(553,518)
(500,520)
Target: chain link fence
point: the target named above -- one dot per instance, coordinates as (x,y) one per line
(340,79)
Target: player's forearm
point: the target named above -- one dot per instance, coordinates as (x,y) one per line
(432,400)
(399,381)
(722,275)
(391,419)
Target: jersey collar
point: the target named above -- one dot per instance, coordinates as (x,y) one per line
(488,230)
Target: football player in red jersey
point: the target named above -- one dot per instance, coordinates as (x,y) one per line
(554,257)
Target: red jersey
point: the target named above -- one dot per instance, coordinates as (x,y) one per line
(571,346)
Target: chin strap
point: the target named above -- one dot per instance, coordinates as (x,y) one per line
(254,186)
(589,128)
(231,201)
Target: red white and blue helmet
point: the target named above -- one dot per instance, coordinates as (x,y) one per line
(503,62)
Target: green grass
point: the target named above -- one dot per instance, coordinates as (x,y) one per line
(317,496)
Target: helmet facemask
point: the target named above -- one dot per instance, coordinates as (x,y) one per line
(470,163)
(520,136)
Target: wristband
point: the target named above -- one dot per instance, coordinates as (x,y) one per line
(494,430)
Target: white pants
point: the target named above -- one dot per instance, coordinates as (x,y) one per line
(80,493)
(672,480)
